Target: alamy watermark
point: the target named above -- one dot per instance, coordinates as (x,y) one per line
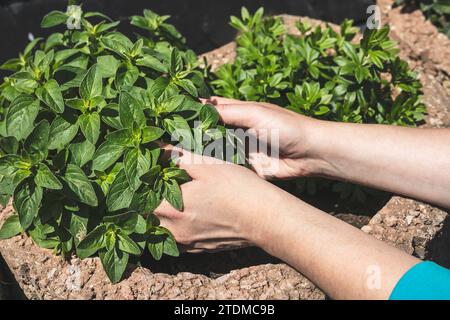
(74,14)
(374,20)
(374,278)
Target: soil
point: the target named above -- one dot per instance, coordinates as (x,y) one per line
(250,273)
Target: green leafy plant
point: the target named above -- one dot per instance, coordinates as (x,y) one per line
(437,11)
(81,115)
(322,73)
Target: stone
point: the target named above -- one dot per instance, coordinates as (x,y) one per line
(426,234)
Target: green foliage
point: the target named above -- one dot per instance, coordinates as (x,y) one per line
(437,11)
(321,73)
(80,116)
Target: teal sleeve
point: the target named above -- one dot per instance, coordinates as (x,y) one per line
(424,281)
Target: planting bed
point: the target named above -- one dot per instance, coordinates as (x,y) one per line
(249,273)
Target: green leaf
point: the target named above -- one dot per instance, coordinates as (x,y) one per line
(188,86)
(11,65)
(209,117)
(156,249)
(152,175)
(36,145)
(172,193)
(10,163)
(46,179)
(51,95)
(126,244)
(81,153)
(130,110)
(10,228)
(106,155)
(152,63)
(20,175)
(77,104)
(170,244)
(117,43)
(122,137)
(135,165)
(90,126)
(107,66)
(114,262)
(27,200)
(53,19)
(176,62)
(80,185)
(62,133)
(159,86)
(175,103)
(63,55)
(127,77)
(111,240)
(120,193)
(145,200)
(176,173)
(9,145)
(180,130)
(20,116)
(93,242)
(91,86)
(150,134)
(126,222)
(161,241)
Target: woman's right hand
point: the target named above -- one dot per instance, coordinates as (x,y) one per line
(275,126)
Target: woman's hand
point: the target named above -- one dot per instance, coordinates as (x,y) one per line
(292,134)
(224,205)
(391,158)
(228,206)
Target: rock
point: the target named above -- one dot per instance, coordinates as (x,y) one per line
(415,227)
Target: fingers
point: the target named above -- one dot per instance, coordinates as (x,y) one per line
(214,100)
(234,112)
(195,165)
(167,212)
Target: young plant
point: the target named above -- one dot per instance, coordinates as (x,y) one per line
(81,116)
(321,73)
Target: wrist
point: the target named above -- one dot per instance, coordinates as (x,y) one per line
(318,148)
(269,217)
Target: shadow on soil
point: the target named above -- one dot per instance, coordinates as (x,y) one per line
(217,264)
(9,289)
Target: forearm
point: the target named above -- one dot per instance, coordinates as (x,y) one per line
(342,260)
(408,161)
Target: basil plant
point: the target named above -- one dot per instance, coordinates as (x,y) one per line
(83,114)
(324,74)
